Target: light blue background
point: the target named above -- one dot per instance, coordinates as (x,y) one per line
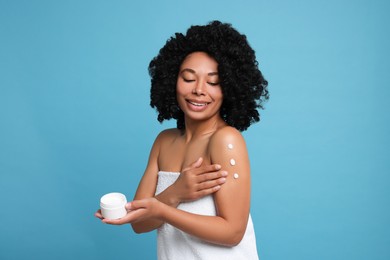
(76,123)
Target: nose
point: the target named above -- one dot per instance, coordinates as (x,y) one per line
(199,88)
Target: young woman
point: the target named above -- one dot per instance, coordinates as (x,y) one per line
(196,186)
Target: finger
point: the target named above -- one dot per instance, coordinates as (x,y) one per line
(119,221)
(135,204)
(210,184)
(128,206)
(207,176)
(131,217)
(208,191)
(98,214)
(138,215)
(198,163)
(139,204)
(195,164)
(207,169)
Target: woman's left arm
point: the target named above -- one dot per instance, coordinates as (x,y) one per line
(232,200)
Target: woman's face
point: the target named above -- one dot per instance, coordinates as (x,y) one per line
(199,94)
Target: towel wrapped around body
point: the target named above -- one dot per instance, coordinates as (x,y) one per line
(174,244)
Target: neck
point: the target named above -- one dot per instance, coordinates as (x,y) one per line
(197,129)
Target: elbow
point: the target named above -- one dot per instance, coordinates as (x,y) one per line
(234,242)
(138,229)
(234,239)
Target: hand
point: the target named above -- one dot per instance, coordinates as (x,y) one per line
(137,210)
(197,181)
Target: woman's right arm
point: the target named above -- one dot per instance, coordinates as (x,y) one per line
(194,182)
(147,187)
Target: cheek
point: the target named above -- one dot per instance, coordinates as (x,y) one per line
(216,93)
(180,88)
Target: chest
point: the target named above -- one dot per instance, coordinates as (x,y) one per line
(176,155)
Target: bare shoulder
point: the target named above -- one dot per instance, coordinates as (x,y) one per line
(227,143)
(227,137)
(168,135)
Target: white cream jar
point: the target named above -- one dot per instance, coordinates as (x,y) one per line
(112,205)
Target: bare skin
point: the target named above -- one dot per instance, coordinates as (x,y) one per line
(206,136)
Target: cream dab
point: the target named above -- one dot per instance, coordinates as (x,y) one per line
(232,162)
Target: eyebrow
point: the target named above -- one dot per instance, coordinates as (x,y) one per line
(193,72)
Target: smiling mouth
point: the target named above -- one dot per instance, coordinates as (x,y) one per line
(198,104)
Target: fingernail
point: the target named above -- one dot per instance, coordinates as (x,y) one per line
(217,166)
(223,179)
(224,173)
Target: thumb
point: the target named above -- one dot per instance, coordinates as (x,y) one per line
(198,163)
(195,164)
(128,205)
(135,204)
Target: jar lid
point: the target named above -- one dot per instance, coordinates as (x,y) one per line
(113,200)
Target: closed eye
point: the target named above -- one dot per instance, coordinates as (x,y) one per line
(188,80)
(213,83)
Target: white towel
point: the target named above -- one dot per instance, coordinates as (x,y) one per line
(174,244)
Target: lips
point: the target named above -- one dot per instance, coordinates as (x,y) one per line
(198,104)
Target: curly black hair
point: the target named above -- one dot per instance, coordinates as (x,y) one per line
(243,86)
